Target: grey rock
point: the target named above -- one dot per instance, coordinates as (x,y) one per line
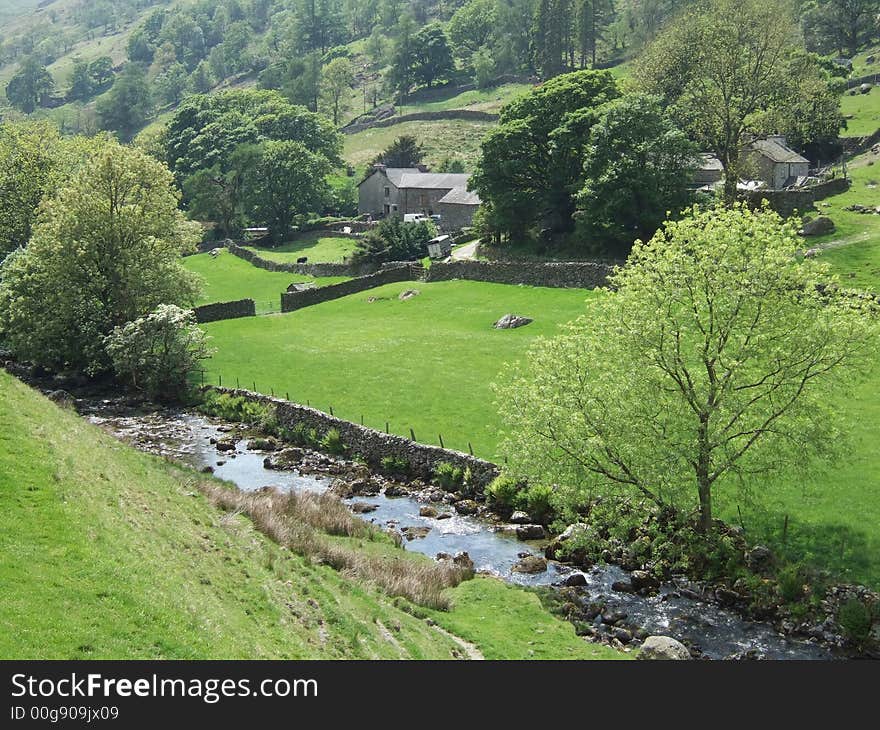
(643,580)
(530,532)
(362,508)
(623,586)
(531,565)
(758,557)
(512,321)
(415,533)
(818,226)
(520,518)
(466,507)
(663,647)
(463,560)
(408,294)
(428,512)
(575,579)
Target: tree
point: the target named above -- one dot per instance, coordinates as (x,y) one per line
(471,28)
(405,151)
(286,181)
(206,130)
(552,37)
(531,167)
(637,166)
(717,67)
(34,161)
(128,105)
(105,251)
(336,84)
(171,85)
(843,26)
(400,76)
(158,353)
(201,81)
(432,58)
(81,85)
(592,17)
(31,86)
(394,240)
(101,72)
(714,363)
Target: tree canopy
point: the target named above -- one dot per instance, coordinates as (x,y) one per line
(716,360)
(105,251)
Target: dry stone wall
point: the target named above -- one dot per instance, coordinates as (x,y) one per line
(562,275)
(225,310)
(293,300)
(374,445)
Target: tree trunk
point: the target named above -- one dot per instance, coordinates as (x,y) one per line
(704,483)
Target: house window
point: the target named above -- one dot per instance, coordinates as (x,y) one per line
(387,192)
(424,199)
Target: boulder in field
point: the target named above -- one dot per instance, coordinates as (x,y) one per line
(818,226)
(512,321)
(408,294)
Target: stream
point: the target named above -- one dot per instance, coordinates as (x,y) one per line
(715,631)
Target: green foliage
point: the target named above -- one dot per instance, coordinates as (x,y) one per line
(159,353)
(235,408)
(31,87)
(511,494)
(504,491)
(394,240)
(332,443)
(790,583)
(723,66)
(855,618)
(207,130)
(448,476)
(405,151)
(831,26)
(105,251)
(716,360)
(285,182)
(128,104)
(532,163)
(395,465)
(336,81)
(637,169)
(470,28)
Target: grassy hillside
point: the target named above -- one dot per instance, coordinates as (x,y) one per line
(317,247)
(106,552)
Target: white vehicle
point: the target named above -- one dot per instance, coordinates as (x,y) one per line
(414,217)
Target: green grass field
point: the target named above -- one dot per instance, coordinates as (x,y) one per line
(229,278)
(316,247)
(440,139)
(424,364)
(854,248)
(427,364)
(485,100)
(865,111)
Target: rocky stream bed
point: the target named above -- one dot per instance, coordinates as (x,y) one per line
(605,602)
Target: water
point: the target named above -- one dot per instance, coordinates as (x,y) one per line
(718,633)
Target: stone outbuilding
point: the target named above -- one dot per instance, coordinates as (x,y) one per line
(774,163)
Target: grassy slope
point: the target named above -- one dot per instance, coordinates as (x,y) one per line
(425,364)
(106,552)
(318,249)
(865,109)
(854,249)
(485,100)
(457,138)
(229,278)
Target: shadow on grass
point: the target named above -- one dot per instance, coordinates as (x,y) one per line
(848,554)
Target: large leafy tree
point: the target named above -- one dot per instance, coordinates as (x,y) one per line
(531,167)
(128,105)
(405,151)
(432,60)
(637,168)
(34,161)
(841,26)
(336,81)
(31,86)
(719,65)
(716,361)
(206,130)
(471,27)
(286,181)
(105,251)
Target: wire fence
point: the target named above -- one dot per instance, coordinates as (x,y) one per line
(463,445)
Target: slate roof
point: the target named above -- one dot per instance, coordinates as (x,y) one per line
(433,180)
(461,196)
(776,151)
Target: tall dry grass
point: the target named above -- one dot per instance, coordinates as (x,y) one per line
(301,521)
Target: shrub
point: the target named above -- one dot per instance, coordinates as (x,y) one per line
(537,501)
(448,476)
(855,619)
(394,240)
(394,465)
(234,408)
(158,354)
(332,442)
(790,583)
(504,491)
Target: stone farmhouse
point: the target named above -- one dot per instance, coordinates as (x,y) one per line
(408,190)
(768,163)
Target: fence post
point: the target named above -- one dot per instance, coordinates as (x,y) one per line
(785,531)
(237,384)
(331,411)
(220,380)
(470,448)
(440,436)
(287,396)
(413,434)
(386,427)
(255,386)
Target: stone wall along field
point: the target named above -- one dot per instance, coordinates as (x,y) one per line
(786,202)
(371,444)
(225,310)
(316,270)
(293,300)
(563,275)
